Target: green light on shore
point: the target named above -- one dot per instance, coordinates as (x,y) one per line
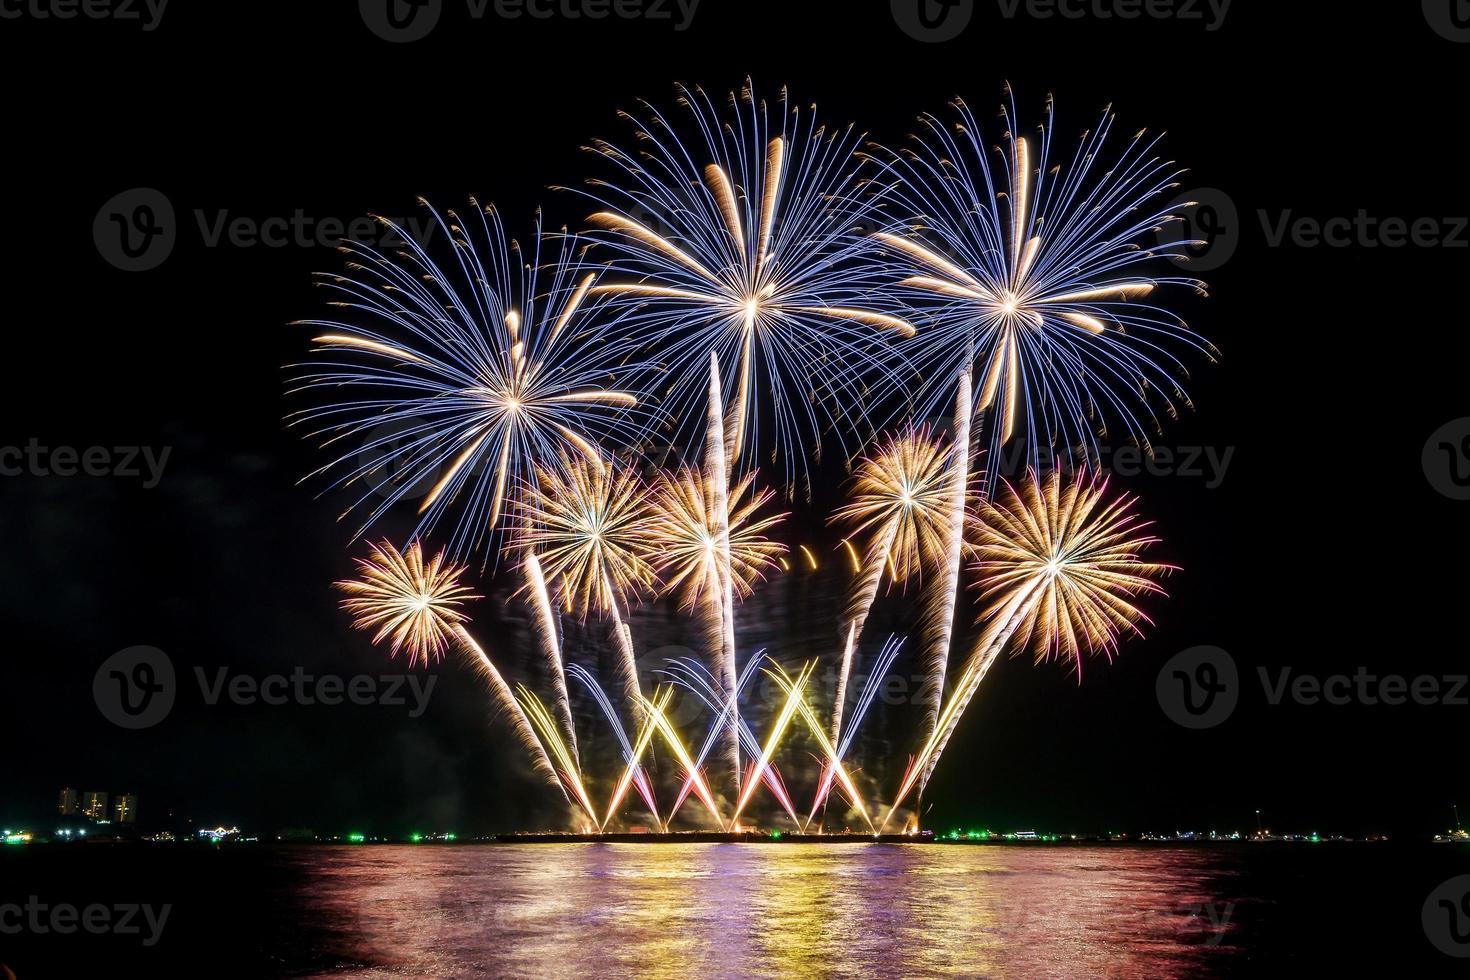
(15,839)
(416,838)
(449,837)
(357,838)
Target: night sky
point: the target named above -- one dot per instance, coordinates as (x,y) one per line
(1324,548)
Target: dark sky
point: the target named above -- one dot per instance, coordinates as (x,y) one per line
(1324,549)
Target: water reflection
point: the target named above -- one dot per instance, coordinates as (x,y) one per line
(731,910)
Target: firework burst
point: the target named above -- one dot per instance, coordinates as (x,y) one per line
(416,605)
(462,375)
(585,520)
(899,494)
(412,603)
(1064,563)
(1036,275)
(685,542)
(1062,571)
(741,242)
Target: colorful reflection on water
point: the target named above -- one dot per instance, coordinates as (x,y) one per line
(797,910)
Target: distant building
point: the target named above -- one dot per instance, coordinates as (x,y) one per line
(125,809)
(94,805)
(67,805)
(219,834)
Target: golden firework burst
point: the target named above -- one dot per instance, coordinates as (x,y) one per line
(586,521)
(410,602)
(900,493)
(1064,562)
(684,539)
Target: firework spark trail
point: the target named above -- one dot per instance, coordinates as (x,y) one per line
(545,628)
(902,490)
(640,778)
(1044,297)
(741,243)
(991,642)
(891,649)
(659,719)
(646,732)
(939,628)
(844,670)
(458,377)
(794,700)
(814,725)
(417,604)
(684,539)
(587,520)
(717,479)
(1062,566)
(506,701)
(694,677)
(570,771)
